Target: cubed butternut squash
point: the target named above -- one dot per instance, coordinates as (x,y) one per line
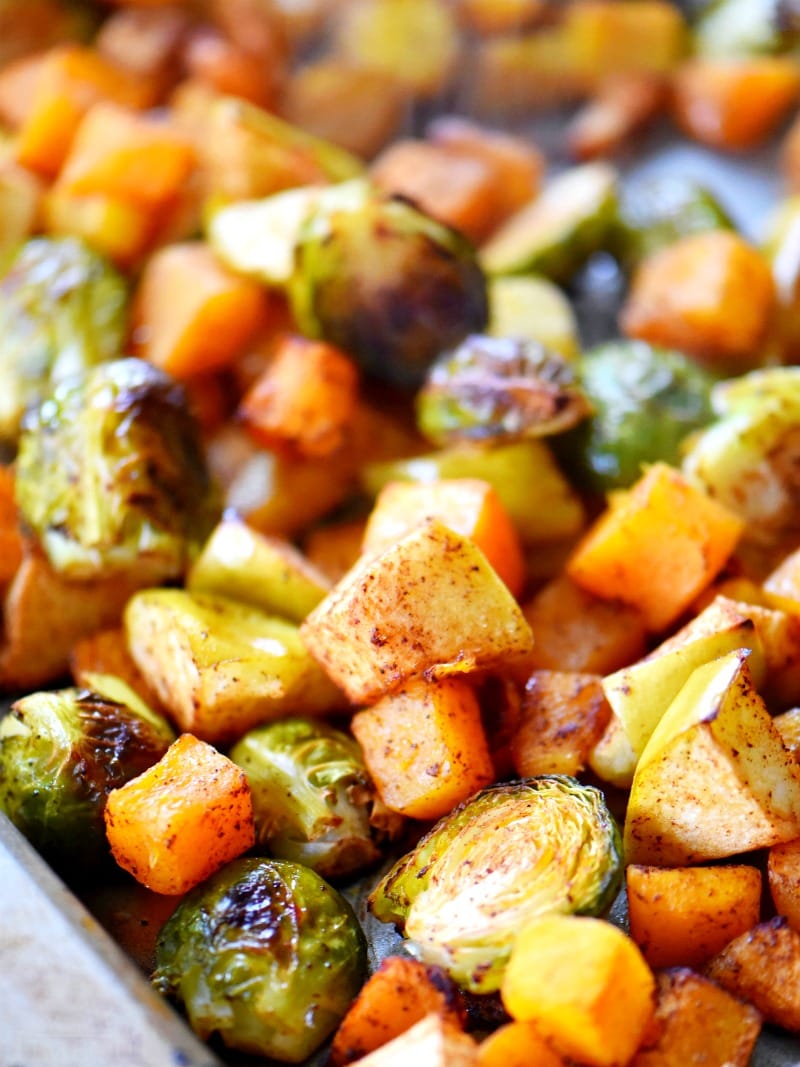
(762,967)
(682,916)
(469,506)
(697,1023)
(659,545)
(304,400)
(517,1044)
(562,717)
(783,878)
(191,314)
(399,994)
(734,104)
(575,630)
(130,157)
(71,79)
(709,294)
(425,747)
(584,985)
(181,820)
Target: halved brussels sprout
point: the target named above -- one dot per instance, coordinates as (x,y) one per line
(265,954)
(313,799)
(61,754)
(111,475)
(515,851)
(499,389)
(646,402)
(387,284)
(62,309)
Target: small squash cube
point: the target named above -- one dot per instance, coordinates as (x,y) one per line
(584,985)
(304,400)
(399,994)
(71,78)
(181,820)
(431,602)
(191,314)
(131,157)
(709,294)
(518,1044)
(469,506)
(562,717)
(734,104)
(657,547)
(762,966)
(682,916)
(697,1023)
(425,747)
(783,878)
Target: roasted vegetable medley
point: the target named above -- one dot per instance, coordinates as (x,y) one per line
(399,507)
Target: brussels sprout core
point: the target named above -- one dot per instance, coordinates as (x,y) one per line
(516,851)
(265,954)
(111,476)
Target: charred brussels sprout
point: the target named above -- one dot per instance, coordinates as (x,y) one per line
(387,284)
(646,401)
(313,799)
(62,309)
(516,851)
(498,389)
(265,954)
(111,475)
(61,754)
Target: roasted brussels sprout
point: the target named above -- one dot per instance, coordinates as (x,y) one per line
(62,309)
(748,458)
(498,389)
(653,212)
(61,754)
(387,284)
(111,475)
(313,799)
(646,401)
(265,954)
(513,852)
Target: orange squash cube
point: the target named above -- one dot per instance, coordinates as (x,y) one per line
(682,916)
(181,820)
(734,104)
(585,986)
(425,747)
(709,294)
(657,547)
(469,506)
(70,80)
(304,400)
(134,158)
(191,315)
